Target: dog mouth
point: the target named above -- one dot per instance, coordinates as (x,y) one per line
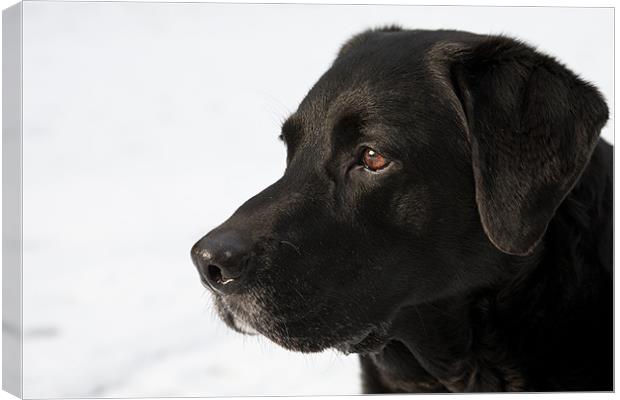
(291,335)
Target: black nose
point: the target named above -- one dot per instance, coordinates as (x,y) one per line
(222,259)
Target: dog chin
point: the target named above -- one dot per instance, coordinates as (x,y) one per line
(367,341)
(233,321)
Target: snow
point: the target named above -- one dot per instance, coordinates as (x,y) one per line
(145,126)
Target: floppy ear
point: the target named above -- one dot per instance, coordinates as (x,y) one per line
(532,125)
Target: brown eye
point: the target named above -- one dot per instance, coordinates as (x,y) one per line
(373,160)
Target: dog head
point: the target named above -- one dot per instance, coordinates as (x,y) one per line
(421,165)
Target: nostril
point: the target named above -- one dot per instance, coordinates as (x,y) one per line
(214,274)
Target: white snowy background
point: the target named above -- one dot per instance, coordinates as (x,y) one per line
(146,125)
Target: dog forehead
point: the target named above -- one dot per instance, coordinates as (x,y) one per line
(394,101)
(393,88)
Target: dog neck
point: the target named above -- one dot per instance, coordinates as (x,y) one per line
(439,347)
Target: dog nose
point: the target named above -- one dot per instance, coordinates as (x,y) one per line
(222,258)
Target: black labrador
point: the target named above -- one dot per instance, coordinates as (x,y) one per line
(446,213)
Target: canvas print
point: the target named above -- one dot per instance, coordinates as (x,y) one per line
(292,199)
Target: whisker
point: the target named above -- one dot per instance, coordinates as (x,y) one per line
(296,248)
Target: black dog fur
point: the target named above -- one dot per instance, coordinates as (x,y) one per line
(479,258)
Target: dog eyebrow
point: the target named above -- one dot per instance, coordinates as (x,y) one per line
(290,131)
(350,112)
(348,126)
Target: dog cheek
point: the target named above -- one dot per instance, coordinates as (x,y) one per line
(411,211)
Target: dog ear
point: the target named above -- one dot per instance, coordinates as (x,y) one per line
(532,126)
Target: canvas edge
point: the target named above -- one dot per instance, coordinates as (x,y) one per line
(12,339)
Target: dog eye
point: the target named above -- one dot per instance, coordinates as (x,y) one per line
(373,161)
